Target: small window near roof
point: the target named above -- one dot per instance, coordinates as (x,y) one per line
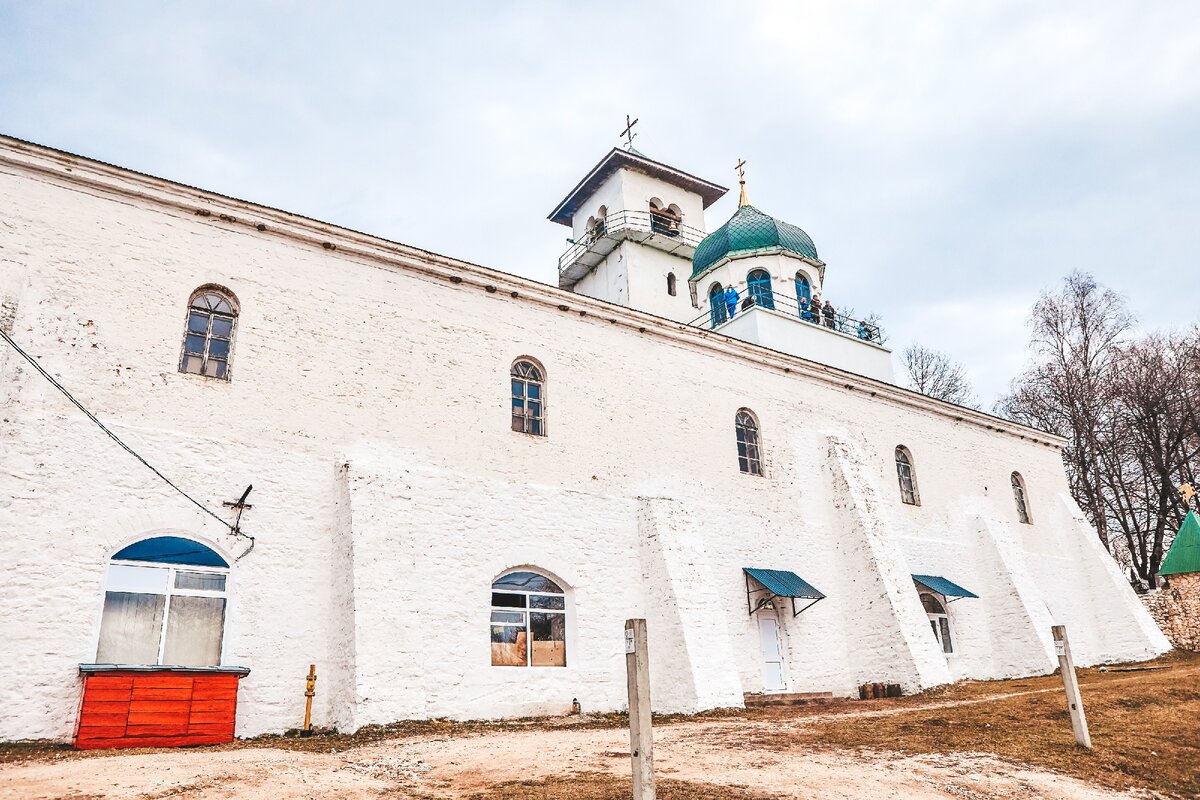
(671,283)
(528,397)
(749,448)
(1018,486)
(907,476)
(208,339)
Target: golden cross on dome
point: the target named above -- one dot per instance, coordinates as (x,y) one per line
(1188,491)
(628,132)
(743,200)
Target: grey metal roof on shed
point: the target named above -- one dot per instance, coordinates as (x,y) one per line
(617,158)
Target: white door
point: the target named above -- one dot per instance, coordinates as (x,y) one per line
(772,657)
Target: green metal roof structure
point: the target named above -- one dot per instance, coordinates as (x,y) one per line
(946,588)
(1184,555)
(748,232)
(779,583)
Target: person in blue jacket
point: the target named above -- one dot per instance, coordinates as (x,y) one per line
(731,301)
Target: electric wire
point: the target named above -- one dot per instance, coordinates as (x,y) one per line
(111,435)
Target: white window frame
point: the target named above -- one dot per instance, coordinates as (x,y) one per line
(526,624)
(169,592)
(935,622)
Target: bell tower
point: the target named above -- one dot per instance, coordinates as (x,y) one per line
(635,224)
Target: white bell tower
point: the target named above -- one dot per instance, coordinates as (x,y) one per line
(635,224)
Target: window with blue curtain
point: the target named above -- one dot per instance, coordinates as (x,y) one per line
(716,305)
(759,284)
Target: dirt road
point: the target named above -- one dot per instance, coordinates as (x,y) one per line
(713,753)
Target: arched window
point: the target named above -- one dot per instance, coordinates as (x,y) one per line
(749,449)
(803,287)
(664,219)
(598,225)
(907,476)
(758,283)
(716,305)
(164,604)
(528,397)
(1018,484)
(529,621)
(208,340)
(939,620)
(671,283)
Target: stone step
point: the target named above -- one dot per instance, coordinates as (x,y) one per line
(794,699)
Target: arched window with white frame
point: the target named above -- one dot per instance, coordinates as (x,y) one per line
(528,397)
(907,476)
(748,442)
(939,620)
(528,621)
(208,338)
(164,604)
(1021,499)
(758,283)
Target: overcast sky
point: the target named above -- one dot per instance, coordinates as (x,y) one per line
(950,160)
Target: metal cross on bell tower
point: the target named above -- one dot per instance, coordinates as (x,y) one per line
(628,132)
(743,200)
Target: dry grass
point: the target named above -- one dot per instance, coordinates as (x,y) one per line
(599,786)
(1145,726)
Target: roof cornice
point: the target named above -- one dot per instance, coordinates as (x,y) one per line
(247,218)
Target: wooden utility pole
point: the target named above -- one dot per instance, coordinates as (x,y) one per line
(1062,648)
(641,731)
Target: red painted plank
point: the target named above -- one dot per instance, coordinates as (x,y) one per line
(153,741)
(103,706)
(109,681)
(212,728)
(155,730)
(216,679)
(202,717)
(159,706)
(95,718)
(213,705)
(167,681)
(101,731)
(105,694)
(214,693)
(159,693)
(177,719)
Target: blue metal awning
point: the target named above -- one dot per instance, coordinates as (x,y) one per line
(779,583)
(946,588)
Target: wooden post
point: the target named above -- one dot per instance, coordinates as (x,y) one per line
(310,688)
(641,731)
(1062,648)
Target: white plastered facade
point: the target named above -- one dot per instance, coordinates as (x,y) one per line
(389,489)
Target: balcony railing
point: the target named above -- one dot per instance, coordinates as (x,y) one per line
(659,230)
(718,314)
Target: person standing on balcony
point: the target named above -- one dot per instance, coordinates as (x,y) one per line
(815,310)
(731,301)
(805,309)
(828,313)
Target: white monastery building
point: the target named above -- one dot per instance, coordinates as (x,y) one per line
(458,502)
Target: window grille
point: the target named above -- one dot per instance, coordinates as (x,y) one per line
(528,398)
(749,450)
(716,305)
(208,339)
(907,477)
(759,284)
(1018,487)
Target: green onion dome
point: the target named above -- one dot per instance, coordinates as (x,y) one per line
(748,232)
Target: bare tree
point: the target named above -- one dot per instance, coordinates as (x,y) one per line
(1129,409)
(935,374)
(1152,442)
(1067,389)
